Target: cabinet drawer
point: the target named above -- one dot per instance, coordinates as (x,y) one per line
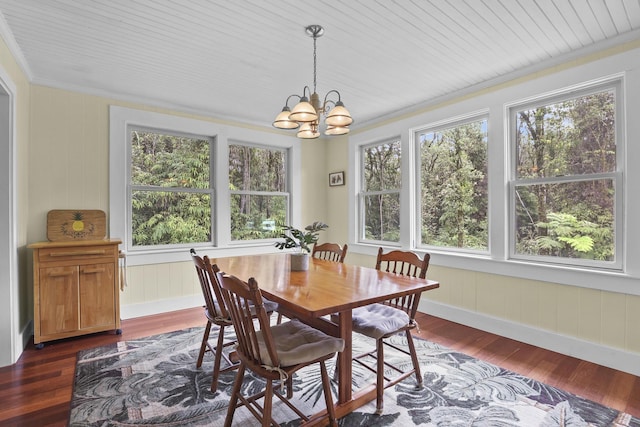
(79,252)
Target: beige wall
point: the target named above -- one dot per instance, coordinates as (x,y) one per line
(63,164)
(336,197)
(314,182)
(69,169)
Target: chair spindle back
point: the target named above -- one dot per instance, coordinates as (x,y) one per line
(329,252)
(407,264)
(245,304)
(210,288)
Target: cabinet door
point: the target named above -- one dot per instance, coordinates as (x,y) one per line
(97,295)
(58,300)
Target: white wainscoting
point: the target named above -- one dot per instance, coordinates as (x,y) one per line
(130,311)
(603,355)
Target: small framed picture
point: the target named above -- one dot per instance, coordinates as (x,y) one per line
(336,178)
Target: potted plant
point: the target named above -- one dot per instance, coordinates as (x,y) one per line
(303,240)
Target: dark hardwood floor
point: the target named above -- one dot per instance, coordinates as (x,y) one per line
(36,391)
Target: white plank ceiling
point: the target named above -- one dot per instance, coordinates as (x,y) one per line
(240,59)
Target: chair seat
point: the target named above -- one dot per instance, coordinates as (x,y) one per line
(378,320)
(298,343)
(217,320)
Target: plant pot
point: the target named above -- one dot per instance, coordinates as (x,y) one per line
(299,262)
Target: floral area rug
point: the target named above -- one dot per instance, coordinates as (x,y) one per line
(154,381)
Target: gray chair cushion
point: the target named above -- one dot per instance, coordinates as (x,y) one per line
(269,306)
(297,343)
(377,320)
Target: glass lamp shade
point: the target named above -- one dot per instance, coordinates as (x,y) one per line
(338,116)
(303,112)
(307,131)
(336,130)
(282,120)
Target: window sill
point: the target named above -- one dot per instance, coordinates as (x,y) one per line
(600,279)
(161,256)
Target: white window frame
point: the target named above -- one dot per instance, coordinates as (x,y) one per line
(436,127)
(120,121)
(614,84)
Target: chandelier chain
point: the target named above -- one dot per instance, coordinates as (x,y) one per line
(315,37)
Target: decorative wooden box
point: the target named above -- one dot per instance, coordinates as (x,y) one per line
(76,225)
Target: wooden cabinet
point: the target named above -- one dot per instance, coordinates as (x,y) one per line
(75,288)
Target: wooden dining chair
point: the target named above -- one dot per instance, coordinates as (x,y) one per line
(329,251)
(383,320)
(217,314)
(274,353)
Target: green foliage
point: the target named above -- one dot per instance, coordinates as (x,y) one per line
(453,184)
(572,138)
(160,162)
(383,180)
(257,182)
(295,238)
(161,218)
(579,243)
(569,237)
(183,215)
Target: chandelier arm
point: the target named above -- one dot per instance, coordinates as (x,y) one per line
(328,101)
(289,97)
(306,90)
(332,91)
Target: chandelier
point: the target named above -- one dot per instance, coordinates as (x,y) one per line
(306,113)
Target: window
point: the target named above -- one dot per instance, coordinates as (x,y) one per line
(565,193)
(170,180)
(170,188)
(453,191)
(556,176)
(258,187)
(380,193)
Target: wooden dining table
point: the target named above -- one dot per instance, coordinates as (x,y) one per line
(325,288)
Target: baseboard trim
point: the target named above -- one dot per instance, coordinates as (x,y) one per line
(602,355)
(129,311)
(26,336)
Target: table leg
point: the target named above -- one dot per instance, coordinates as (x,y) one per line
(345,373)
